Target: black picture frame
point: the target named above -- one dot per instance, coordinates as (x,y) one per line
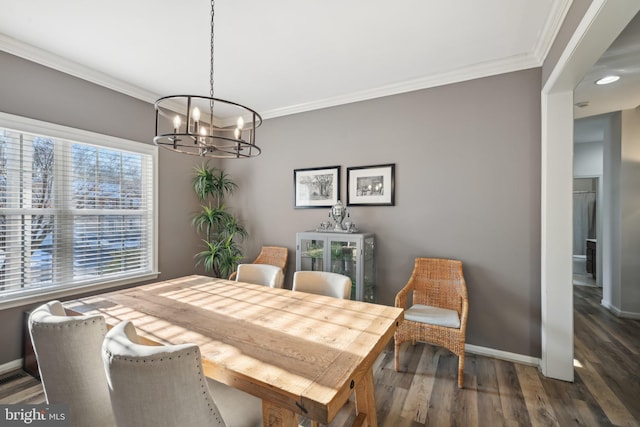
(371,185)
(316,187)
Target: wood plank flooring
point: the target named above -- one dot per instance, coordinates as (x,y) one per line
(606,391)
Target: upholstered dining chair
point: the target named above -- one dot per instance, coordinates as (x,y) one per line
(322,283)
(438,314)
(260,274)
(272,255)
(158,386)
(68,350)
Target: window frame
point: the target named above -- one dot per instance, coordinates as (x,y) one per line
(28,125)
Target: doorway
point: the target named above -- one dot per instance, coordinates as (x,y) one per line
(585,231)
(602,22)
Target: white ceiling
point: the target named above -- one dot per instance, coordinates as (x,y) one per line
(281,56)
(622,58)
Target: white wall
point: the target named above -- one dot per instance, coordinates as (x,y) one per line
(587,159)
(611,214)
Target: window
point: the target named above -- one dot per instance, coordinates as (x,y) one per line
(76,209)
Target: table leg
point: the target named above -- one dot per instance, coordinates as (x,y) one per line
(275,416)
(366,400)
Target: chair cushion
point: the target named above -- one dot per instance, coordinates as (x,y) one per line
(433,315)
(236,407)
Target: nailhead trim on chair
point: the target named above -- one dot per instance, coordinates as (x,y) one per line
(161,359)
(67,324)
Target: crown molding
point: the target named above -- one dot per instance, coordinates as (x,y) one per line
(50,60)
(551,28)
(476,71)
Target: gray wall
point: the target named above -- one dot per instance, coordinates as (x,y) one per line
(467,186)
(34,91)
(630,219)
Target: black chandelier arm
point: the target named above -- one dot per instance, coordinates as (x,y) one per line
(233,149)
(254,113)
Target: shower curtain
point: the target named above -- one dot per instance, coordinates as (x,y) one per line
(584,220)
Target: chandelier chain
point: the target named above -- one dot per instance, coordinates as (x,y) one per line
(211,71)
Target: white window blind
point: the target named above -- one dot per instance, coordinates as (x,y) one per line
(73,213)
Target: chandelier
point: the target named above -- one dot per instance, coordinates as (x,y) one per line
(206,126)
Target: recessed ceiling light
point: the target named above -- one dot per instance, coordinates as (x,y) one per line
(607,79)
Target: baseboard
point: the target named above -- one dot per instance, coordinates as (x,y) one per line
(10,366)
(620,313)
(503,355)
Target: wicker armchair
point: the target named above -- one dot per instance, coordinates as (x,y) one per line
(439,311)
(272,255)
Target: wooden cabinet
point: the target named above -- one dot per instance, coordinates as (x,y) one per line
(591,257)
(351,254)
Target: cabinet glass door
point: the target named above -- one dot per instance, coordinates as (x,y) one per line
(312,255)
(368,264)
(344,256)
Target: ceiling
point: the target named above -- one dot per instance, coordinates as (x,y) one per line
(622,58)
(282,56)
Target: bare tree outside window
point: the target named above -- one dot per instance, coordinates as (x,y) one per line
(41,190)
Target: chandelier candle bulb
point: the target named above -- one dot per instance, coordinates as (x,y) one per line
(236,133)
(240,123)
(176,124)
(196,119)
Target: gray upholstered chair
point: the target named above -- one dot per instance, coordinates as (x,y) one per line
(68,350)
(165,386)
(260,274)
(322,283)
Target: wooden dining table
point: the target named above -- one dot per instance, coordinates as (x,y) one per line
(300,353)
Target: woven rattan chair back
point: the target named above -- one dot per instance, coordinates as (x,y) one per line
(439,283)
(272,255)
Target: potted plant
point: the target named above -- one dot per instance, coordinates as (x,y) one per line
(220,229)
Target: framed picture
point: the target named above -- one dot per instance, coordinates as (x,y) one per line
(371,185)
(316,187)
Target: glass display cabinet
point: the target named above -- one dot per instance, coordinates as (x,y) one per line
(351,254)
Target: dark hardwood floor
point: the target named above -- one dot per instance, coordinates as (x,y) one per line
(606,391)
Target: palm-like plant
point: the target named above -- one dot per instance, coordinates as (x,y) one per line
(220,229)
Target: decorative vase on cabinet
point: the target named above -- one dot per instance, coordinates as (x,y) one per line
(351,254)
